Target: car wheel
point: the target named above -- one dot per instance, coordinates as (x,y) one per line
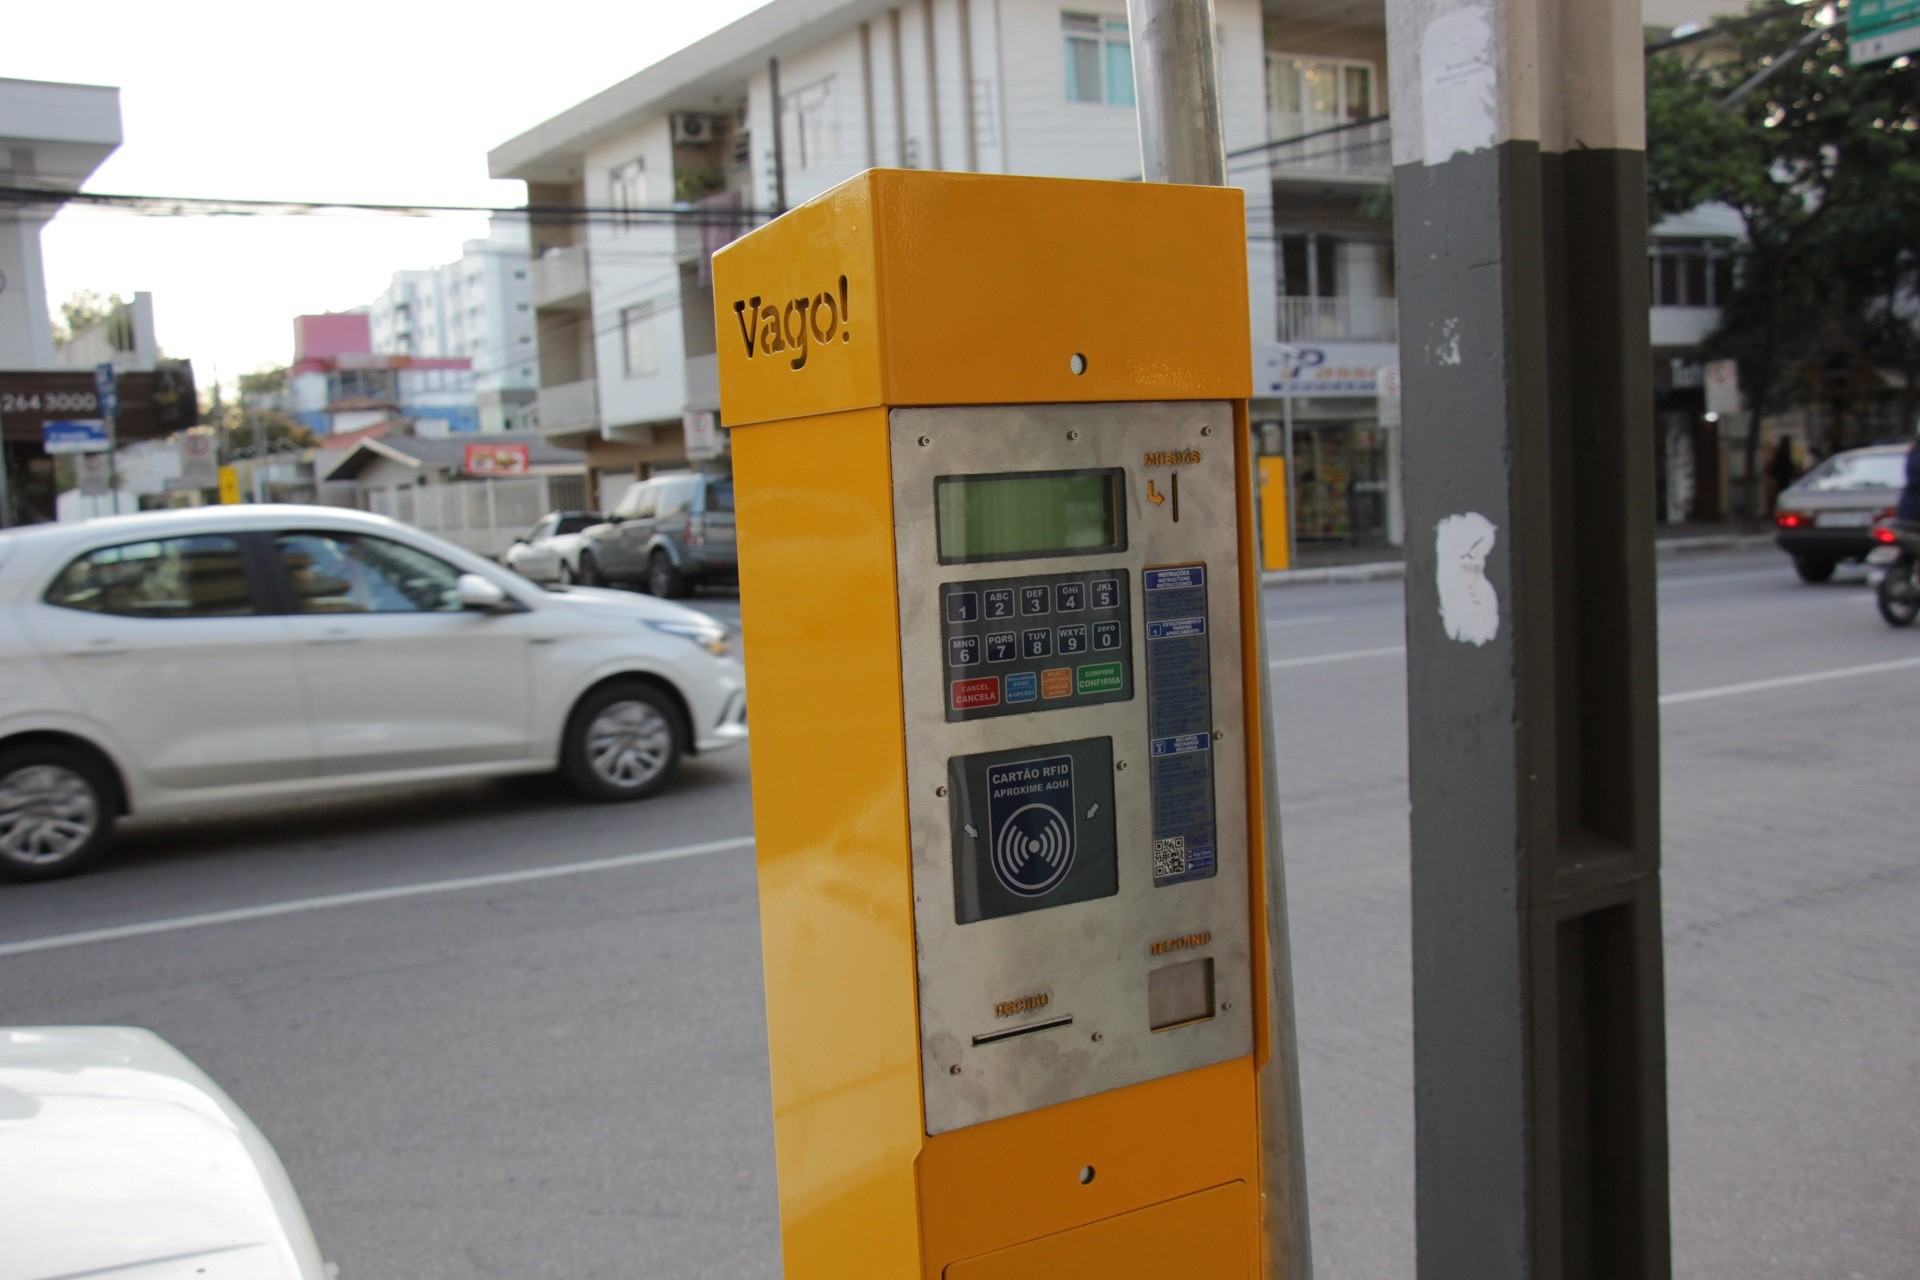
(623,742)
(663,579)
(1814,568)
(590,575)
(56,812)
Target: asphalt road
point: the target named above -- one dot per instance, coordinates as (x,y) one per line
(552,1061)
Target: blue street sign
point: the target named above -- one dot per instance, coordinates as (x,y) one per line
(74,437)
(106,390)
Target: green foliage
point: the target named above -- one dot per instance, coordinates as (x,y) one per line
(258,413)
(1822,161)
(86,309)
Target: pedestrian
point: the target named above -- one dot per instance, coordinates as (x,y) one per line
(1908,510)
(1782,470)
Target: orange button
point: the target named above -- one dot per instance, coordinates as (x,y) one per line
(1056,682)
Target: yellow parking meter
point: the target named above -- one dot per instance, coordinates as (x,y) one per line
(997,577)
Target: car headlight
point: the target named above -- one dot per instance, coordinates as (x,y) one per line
(710,636)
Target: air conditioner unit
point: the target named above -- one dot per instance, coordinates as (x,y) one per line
(692,129)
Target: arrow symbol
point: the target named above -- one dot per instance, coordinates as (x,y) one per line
(1092,809)
(1154,495)
(971,833)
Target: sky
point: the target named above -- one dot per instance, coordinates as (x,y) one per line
(395,102)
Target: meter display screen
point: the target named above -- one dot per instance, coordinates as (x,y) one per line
(1023,514)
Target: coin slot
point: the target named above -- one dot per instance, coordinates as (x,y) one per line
(1180,994)
(994,1037)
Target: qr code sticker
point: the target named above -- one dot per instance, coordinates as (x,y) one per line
(1169,857)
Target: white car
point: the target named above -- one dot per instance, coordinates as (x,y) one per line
(122,1159)
(177,659)
(550,551)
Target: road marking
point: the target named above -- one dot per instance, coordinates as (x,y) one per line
(1347,655)
(324,902)
(1788,682)
(1782,574)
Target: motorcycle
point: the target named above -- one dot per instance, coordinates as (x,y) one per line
(1899,589)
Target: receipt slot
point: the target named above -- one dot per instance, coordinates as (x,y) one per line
(997,582)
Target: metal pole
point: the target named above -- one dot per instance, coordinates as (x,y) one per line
(6,483)
(1519,181)
(1181,140)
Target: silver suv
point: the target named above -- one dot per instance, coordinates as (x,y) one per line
(668,534)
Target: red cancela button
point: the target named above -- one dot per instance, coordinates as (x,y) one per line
(983,691)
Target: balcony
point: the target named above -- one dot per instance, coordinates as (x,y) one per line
(1313,148)
(560,280)
(1339,320)
(569,408)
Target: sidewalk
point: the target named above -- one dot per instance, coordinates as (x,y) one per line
(1374,563)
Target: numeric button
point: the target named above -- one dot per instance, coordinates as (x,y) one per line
(1034,601)
(963,651)
(1036,643)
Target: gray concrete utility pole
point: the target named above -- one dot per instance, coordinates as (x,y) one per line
(1181,140)
(1540,1110)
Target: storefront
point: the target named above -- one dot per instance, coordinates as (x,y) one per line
(1344,462)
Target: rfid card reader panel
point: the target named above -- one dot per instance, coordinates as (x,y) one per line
(1075,761)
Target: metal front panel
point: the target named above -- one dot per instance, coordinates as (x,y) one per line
(1030,1004)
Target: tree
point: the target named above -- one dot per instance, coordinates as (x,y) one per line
(256,425)
(1822,161)
(85,309)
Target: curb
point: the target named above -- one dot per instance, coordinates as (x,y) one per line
(1381,570)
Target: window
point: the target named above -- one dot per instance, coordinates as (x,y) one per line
(1099,59)
(676,496)
(1858,471)
(351,573)
(720,495)
(520,275)
(574,524)
(636,341)
(627,191)
(1690,273)
(812,123)
(540,530)
(518,306)
(193,577)
(1305,94)
(637,502)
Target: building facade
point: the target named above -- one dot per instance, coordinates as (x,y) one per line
(802,94)
(478,308)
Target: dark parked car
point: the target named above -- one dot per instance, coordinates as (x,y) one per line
(668,534)
(1828,514)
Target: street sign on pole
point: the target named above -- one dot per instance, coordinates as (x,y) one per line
(106,390)
(702,434)
(229,486)
(1387,395)
(1881,29)
(75,436)
(199,460)
(90,470)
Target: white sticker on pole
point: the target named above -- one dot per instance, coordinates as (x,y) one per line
(1469,606)
(1458,86)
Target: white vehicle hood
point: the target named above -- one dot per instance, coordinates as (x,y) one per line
(605,601)
(121,1160)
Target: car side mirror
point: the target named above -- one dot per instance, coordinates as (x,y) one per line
(476,592)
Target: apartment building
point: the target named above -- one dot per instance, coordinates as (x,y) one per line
(478,308)
(784,103)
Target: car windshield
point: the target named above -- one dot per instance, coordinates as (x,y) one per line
(720,495)
(1858,471)
(574,524)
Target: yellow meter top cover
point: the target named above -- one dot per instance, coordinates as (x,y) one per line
(904,287)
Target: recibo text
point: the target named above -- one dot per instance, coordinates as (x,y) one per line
(1024,1004)
(791,328)
(1185,942)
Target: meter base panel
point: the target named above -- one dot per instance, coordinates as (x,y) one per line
(1036,990)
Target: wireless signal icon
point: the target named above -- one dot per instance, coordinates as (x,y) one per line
(1033,850)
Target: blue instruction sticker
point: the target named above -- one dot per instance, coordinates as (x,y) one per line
(1180,724)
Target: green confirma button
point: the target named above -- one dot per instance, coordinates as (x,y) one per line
(1101,677)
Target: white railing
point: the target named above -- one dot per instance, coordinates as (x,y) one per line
(1316,146)
(484,516)
(569,407)
(1339,320)
(560,276)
